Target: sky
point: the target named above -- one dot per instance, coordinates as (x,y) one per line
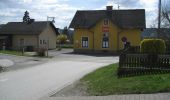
(64,10)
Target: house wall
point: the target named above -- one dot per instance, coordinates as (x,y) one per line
(48,35)
(133,36)
(95,35)
(29,40)
(98,35)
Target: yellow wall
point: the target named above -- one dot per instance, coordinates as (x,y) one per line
(95,35)
(79,33)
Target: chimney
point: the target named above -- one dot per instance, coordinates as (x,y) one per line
(109,8)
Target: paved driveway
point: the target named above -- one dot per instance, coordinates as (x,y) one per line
(20,62)
(35,82)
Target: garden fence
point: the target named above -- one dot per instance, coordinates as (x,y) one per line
(139,64)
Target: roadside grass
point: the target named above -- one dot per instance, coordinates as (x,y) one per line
(65,46)
(12,52)
(19,53)
(104,81)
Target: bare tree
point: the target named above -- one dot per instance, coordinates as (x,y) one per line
(165,14)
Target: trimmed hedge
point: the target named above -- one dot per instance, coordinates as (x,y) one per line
(167,46)
(153,46)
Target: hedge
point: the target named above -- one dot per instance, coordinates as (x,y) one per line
(153,46)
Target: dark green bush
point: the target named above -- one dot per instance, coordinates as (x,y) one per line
(153,46)
(167,47)
(1,68)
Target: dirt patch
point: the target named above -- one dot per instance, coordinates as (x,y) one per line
(76,89)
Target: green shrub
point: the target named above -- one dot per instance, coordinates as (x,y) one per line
(1,68)
(61,39)
(153,46)
(168,45)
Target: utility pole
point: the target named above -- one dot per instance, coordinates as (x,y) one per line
(159,18)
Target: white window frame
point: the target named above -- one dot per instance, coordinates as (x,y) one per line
(44,41)
(85,44)
(105,44)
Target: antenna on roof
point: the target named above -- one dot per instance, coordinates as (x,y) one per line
(118,6)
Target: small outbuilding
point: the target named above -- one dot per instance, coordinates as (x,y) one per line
(39,34)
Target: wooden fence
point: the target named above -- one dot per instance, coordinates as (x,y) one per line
(139,64)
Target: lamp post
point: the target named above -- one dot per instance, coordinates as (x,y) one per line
(53,21)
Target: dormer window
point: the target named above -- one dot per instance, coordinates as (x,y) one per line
(106,22)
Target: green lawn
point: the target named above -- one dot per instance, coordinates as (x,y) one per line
(65,46)
(12,52)
(105,82)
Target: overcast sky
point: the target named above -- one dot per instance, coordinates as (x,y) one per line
(64,10)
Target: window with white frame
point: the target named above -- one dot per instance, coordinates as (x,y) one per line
(85,42)
(105,41)
(44,42)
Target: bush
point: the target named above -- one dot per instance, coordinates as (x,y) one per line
(29,48)
(41,52)
(1,68)
(153,46)
(168,46)
(61,39)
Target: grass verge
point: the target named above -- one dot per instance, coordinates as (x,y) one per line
(105,82)
(12,52)
(66,46)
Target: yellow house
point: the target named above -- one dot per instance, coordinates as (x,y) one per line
(107,30)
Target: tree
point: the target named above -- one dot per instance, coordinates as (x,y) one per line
(165,19)
(26,17)
(68,33)
(61,39)
(166,14)
(65,31)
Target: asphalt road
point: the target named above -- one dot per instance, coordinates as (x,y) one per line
(38,81)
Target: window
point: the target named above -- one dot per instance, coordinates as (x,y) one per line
(44,42)
(84,42)
(106,22)
(105,41)
(40,41)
